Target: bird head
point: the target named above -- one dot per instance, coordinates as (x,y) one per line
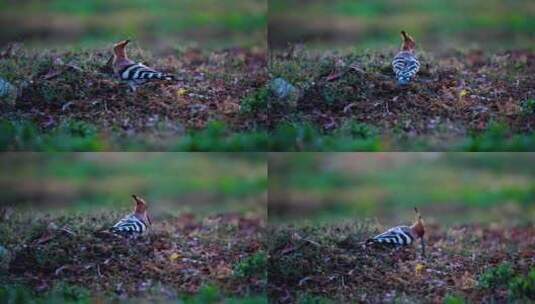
(407,43)
(119,48)
(141,209)
(418,226)
(419,230)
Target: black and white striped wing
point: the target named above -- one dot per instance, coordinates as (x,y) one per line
(130,225)
(397,236)
(405,67)
(140,73)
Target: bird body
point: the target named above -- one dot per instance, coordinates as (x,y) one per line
(397,236)
(405,63)
(402,235)
(134,73)
(136,223)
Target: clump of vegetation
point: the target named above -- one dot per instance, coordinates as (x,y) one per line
(453,299)
(528,106)
(256,103)
(252,266)
(497,276)
(502,277)
(523,287)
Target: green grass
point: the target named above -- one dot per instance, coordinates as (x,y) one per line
(171,181)
(216,137)
(460,186)
(353,136)
(252,266)
(88,22)
(75,135)
(356,136)
(72,294)
(523,287)
(453,299)
(68,136)
(374,24)
(519,287)
(255,103)
(496,277)
(498,137)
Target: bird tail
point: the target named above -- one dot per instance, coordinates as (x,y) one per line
(403,81)
(162,76)
(156,75)
(370,242)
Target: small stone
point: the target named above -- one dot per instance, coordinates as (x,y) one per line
(8,92)
(5,258)
(282,89)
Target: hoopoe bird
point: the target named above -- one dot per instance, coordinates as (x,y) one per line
(402,235)
(405,64)
(136,223)
(134,73)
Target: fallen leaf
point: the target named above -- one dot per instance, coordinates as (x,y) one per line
(222,271)
(173,257)
(53,73)
(419,268)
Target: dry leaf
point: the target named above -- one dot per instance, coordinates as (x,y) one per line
(419,268)
(173,257)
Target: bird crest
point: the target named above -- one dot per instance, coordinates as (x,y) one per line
(141,209)
(119,49)
(408,43)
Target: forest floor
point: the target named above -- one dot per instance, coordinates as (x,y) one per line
(69,100)
(460,100)
(463,264)
(220,258)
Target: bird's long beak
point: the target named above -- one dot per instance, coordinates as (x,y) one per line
(423,246)
(148,218)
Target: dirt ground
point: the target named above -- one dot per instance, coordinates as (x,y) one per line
(179,256)
(211,85)
(456,93)
(478,264)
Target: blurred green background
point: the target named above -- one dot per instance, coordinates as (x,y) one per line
(162,23)
(374,24)
(447,187)
(204,183)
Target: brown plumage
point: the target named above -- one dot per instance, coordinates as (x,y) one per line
(120,59)
(407,42)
